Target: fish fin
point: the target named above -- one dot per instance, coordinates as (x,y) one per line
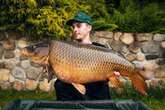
(115,82)
(81,88)
(139,83)
(49,71)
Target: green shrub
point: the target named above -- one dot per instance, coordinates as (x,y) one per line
(102,24)
(131,16)
(152,18)
(46,18)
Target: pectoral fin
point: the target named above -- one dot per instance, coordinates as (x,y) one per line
(81,88)
(114,82)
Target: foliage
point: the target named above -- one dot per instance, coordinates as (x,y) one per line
(47,18)
(131,17)
(102,24)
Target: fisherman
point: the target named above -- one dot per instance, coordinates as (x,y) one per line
(81,27)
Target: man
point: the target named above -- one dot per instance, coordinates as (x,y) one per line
(82,26)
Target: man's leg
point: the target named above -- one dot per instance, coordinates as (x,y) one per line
(98,91)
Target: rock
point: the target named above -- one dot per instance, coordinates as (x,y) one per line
(9,44)
(147,68)
(2,64)
(104,34)
(144,37)
(160,61)
(147,74)
(19,73)
(22,43)
(150,65)
(101,41)
(160,72)
(138,64)
(23,58)
(159,37)
(45,86)
(117,46)
(9,54)
(150,47)
(124,51)
(11,63)
(5,86)
(127,38)
(4,74)
(134,48)
(25,64)
(34,64)
(11,79)
(1,51)
(17,52)
(117,36)
(131,57)
(151,57)
(33,73)
(18,85)
(162,44)
(31,84)
(140,56)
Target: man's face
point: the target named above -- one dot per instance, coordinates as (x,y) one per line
(81,30)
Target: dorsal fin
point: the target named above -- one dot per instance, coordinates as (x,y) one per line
(90,46)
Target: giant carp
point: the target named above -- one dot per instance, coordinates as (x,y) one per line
(78,64)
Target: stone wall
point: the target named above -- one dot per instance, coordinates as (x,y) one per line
(145,50)
(17,72)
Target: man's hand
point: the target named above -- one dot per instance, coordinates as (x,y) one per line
(116,73)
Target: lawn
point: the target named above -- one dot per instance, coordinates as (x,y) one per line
(155,99)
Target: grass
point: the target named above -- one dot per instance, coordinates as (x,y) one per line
(155,99)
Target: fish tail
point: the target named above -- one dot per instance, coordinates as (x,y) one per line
(138,82)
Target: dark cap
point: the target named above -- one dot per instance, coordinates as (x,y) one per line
(80,17)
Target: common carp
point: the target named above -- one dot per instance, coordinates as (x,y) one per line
(78,64)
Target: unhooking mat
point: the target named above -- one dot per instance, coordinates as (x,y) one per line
(76,105)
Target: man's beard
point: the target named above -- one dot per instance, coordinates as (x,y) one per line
(74,37)
(77,40)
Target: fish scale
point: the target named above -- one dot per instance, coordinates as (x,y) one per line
(87,61)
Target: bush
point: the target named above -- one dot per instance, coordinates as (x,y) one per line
(46,18)
(133,16)
(102,24)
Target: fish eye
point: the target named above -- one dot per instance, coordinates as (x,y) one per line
(34,47)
